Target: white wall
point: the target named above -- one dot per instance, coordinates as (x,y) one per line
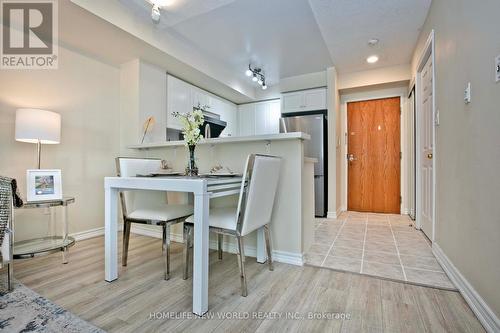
(86,93)
(467,140)
(373,77)
(362,95)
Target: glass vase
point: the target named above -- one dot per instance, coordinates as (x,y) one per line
(192,169)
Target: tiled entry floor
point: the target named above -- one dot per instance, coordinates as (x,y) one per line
(381,245)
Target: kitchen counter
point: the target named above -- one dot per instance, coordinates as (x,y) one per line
(292,224)
(231,139)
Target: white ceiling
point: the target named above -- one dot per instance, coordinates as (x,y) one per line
(293,37)
(347,25)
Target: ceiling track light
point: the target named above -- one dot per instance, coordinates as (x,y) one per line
(155,13)
(257,76)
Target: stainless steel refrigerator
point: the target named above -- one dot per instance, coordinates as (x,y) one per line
(314,124)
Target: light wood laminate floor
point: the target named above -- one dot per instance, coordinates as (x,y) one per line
(127,305)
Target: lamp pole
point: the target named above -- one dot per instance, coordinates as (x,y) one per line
(39,152)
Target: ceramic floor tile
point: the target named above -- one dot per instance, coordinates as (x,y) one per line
(352,235)
(428,278)
(349,243)
(381,257)
(346,252)
(345,264)
(380,247)
(427,263)
(416,251)
(314,259)
(383,270)
(319,248)
(323,240)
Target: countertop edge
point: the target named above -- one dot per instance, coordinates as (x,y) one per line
(235,139)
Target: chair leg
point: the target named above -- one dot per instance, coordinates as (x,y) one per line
(166,249)
(241,262)
(219,245)
(126,238)
(267,235)
(187,241)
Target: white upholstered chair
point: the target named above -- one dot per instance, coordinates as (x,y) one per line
(254,210)
(148,207)
(7,250)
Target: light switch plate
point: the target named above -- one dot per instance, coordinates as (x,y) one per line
(497,69)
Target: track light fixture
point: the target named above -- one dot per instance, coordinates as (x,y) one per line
(155,13)
(257,76)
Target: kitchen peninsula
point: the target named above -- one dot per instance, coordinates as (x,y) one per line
(293,216)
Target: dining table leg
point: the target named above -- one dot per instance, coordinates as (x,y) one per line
(110,234)
(200,254)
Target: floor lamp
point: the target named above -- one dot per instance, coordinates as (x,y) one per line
(38,126)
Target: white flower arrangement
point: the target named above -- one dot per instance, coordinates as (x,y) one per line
(191,123)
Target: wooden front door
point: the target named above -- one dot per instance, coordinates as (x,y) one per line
(373,130)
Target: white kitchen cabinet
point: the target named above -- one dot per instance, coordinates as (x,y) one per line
(200,97)
(304,100)
(292,102)
(182,97)
(259,118)
(179,99)
(246,119)
(273,125)
(229,114)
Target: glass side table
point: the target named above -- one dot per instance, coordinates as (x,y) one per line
(44,245)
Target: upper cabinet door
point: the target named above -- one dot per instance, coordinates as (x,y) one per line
(305,100)
(261,118)
(200,97)
(315,99)
(273,125)
(246,117)
(292,102)
(178,100)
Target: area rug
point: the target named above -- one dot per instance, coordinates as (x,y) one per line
(23,310)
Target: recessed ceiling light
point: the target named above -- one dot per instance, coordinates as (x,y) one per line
(372,59)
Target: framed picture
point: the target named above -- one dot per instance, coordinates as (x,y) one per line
(43,185)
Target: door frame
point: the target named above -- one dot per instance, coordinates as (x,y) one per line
(402,144)
(427,53)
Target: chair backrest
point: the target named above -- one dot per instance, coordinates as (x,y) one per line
(258,190)
(132,200)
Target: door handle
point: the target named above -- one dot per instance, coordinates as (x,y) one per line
(351,157)
(429,156)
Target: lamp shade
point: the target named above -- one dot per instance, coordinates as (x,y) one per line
(33,125)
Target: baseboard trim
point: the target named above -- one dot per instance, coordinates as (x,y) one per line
(336,214)
(250,251)
(91,233)
(483,312)
(331,215)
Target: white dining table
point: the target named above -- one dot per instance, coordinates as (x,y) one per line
(203,188)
